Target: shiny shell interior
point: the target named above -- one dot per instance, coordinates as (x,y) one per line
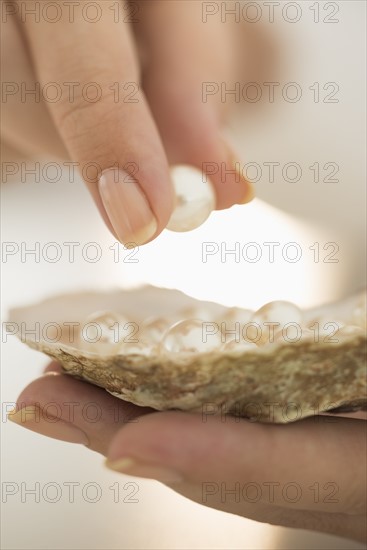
(160,348)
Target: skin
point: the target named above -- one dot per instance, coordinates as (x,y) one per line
(323,455)
(169,124)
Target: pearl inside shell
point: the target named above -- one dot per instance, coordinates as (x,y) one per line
(102,332)
(195,198)
(200,329)
(278,314)
(191,336)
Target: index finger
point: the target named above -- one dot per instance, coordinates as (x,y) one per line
(114,133)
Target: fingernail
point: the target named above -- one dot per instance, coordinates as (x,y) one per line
(249,192)
(33,418)
(127,207)
(133,467)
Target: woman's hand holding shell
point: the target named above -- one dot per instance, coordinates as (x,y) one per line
(306,475)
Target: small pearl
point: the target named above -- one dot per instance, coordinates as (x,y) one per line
(232,324)
(280,312)
(291,335)
(102,332)
(195,198)
(190,336)
(232,320)
(139,348)
(154,328)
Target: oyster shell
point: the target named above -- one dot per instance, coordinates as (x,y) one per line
(281,380)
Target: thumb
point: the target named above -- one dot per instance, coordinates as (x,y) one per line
(283,464)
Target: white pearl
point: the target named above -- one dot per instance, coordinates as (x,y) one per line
(154,328)
(102,332)
(195,198)
(234,319)
(139,348)
(291,335)
(190,336)
(280,312)
(232,324)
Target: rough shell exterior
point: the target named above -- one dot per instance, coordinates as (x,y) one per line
(278,383)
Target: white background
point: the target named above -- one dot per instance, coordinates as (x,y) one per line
(302,132)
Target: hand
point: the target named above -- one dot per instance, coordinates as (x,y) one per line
(309,475)
(115,93)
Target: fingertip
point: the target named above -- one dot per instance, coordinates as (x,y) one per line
(127,207)
(226,173)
